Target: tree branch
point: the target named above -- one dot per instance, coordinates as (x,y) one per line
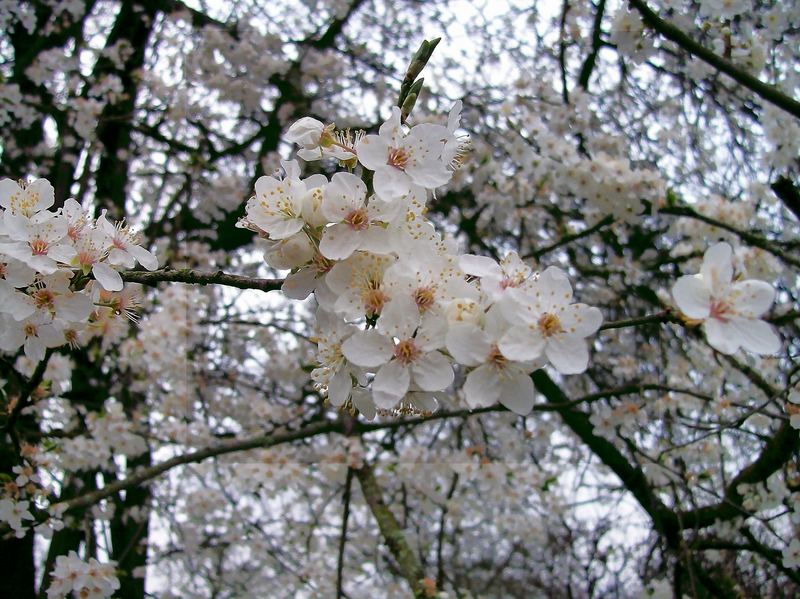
(391,531)
(186,275)
(348,483)
(768,92)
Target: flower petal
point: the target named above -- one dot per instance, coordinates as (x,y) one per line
(717,269)
(107,277)
(516,392)
(721,335)
(390,384)
(432,372)
(522,343)
(468,344)
(757,336)
(581,320)
(339,241)
(567,353)
(482,387)
(692,296)
(752,298)
(368,349)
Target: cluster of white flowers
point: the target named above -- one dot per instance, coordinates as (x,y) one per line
(110,433)
(87,580)
(14,513)
(628,34)
(610,184)
(47,297)
(398,307)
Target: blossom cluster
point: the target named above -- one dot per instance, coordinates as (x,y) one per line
(399,308)
(59,279)
(74,577)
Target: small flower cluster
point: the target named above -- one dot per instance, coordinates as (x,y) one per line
(47,296)
(398,307)
(73,576)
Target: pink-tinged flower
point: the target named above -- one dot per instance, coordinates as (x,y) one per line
(26,200)
(400,160)
(510,273)
(277,207)
(318,140)
(729,310)
(91,250)
(358,285)
(356,224)
(36,334)
(496,378)
(550,324)
(124,245)
(40,241)
(404,350)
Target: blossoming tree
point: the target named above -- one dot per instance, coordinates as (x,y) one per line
(278,317)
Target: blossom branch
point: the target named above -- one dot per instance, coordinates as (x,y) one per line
(186,275)
(665,316)
(145,474)
(770,93)
(570,238)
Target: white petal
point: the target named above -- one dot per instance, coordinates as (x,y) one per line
(468,344)
(362,400)
(751,298)
(339,241)
(516,392)
(399,317)
(430,174)
(692,296)
(339,387)
(373,151)
(482,387)
(74,307)
(756,336)
(479,266)
(391,183)
(432,331)
(432,372)
(300,284)
(368,349)
(522,343)
(43,191)
(717,269)
(390,384)
(107,277)
(345,193)
(581,320)
(721,335)
(34,349)
(553,289)
(278,227)
(62,253)
(145,257)
(567,353)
